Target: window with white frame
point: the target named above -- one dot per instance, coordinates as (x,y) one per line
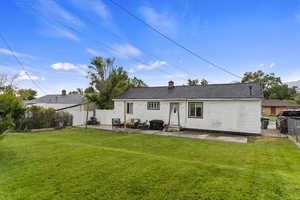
(153,105)
(195,110)
(129,108)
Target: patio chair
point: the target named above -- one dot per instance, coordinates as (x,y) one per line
(143,125)
(133,123)
(116,122)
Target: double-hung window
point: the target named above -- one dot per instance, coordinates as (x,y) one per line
(195,110)
(153,105)
(129,108)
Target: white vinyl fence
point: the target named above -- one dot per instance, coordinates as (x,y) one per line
(79,115)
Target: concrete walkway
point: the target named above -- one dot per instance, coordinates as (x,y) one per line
(184,134)
(272,131)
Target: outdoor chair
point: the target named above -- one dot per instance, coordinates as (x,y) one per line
(143,125)
(133,123)
(116,122)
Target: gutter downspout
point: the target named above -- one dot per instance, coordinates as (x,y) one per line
(125,114)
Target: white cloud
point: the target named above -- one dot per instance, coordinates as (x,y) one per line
(180,75)
(95,52)
(53,9)
(125,50)
(63,66)
(23,76)
(51,12)
(150,66)
(96,6)
(8,52)
(67,34)
(100,8)
(66,66)
(162,21)
(265,65)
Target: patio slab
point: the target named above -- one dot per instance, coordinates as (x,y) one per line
(184,134)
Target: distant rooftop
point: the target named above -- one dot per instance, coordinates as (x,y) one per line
(58,99)
(279,103)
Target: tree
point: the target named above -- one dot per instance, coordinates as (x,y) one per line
(11,109)
(6,84)
(109,81)
(136,83)
(204,82)
(89,90)
(267,81)
(77,91)
(282,92)
(297,98)
(193,82)
(27,94)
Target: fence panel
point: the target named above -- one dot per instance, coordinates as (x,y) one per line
(294,128)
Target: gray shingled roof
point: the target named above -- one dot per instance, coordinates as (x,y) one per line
(279,103)
(59,99)
(234,90)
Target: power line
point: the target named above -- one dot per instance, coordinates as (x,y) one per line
(122,39)
(20,62)
(172,40)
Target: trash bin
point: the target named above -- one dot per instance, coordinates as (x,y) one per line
(157,124)
(264,122)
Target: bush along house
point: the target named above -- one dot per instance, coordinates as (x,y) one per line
(232,107)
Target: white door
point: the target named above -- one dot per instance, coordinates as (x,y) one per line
(174,114)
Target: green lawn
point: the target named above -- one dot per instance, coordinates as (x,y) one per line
(90,164)
(273,118)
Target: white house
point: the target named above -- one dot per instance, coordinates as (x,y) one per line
(232,107)
(57,101)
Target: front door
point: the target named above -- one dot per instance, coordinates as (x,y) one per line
(273,110)
(174,114)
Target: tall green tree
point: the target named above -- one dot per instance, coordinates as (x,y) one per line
(136,83)
(109,81)
(282,92)
(26,94)
(77,91)
(193,82)
(267,81)
(11,109)
(204,82)
(89,90)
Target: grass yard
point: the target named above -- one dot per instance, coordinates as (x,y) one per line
(90,164)
(272,118)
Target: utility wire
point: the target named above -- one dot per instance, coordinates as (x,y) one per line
(123,39)
(20,62)
(97,41)
(173,41)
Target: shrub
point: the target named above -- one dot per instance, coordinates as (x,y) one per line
(11,109)
(37,117)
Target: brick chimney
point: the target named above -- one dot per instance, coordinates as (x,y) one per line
(63,92)
(170,84)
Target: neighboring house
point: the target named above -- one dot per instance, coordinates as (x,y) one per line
(57,101)
(274,106)
(220,107)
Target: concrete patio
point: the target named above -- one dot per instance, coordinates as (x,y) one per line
(184,134)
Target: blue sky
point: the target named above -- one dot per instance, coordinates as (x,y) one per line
(57,39)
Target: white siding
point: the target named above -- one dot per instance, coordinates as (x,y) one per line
(221,115)
(79,115)
(235,116)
